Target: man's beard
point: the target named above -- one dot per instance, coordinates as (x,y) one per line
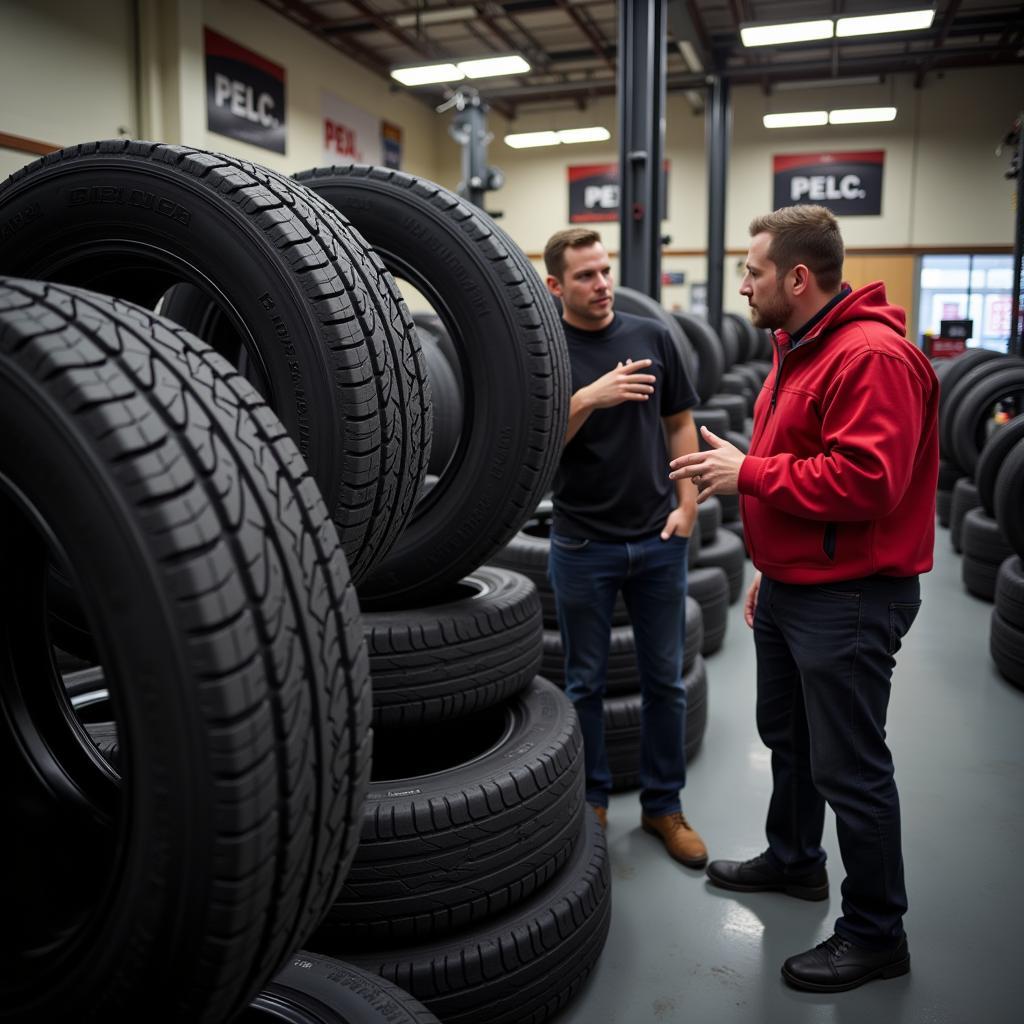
(772,314)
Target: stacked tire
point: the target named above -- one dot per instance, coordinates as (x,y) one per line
(1006,638)
(475,829)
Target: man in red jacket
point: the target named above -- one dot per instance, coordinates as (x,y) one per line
(837,496)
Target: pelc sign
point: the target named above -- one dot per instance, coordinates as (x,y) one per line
(849,184)
(244,94)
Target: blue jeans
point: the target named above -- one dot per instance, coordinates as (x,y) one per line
(586,576)
(825,656)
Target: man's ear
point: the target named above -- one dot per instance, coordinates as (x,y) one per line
(801,278)
(554,285)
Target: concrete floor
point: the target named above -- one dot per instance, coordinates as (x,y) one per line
(681,950)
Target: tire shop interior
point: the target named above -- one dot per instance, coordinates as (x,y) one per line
(283,392)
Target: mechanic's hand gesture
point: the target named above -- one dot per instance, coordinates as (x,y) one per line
(623,384)
(715,471)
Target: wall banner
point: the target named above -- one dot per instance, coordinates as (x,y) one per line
(594,193)
(848,184)
(352,136)
(245,94)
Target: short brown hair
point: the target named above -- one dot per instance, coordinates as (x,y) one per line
(570,238)
(804,234)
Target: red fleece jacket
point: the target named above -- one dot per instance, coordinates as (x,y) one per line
(840,479)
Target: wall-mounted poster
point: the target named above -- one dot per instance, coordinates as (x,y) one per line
(594,193)
(848,184)
(352,136)
(245,94)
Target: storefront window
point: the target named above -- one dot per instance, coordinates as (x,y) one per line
(967,288)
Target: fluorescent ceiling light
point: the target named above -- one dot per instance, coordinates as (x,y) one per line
(799,119)
(487,67)
(826,83)
(584,135)
(436,16)
(861,115)
(527,140)
(872,24)
(427,74)
(788,32)
(689,55)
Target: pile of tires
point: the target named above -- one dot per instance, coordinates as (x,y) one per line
(475,828)
(1006,501)
(208,778)
(182,509)
(978,389)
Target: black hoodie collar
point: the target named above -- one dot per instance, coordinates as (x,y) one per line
(797,336)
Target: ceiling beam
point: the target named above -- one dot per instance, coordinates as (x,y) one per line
(600,45)
(414,43)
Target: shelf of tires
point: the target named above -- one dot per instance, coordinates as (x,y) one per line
(188,705)
(980,494)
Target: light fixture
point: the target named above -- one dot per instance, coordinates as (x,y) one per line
(816,118)
(873,24)
(787,32)
(861,115)
(527,140)
(826,83)
(427,74)
(595,134)
(489,67)
(798,119)
(861,25)
(449,71)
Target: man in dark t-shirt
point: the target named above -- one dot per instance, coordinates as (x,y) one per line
(620,525)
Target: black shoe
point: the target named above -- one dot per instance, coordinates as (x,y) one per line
(758,875)
(837,965)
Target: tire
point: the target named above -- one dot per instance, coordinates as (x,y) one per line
(314,320)
(716,420)
(446,405)
(742,331)
(735,527)
(709,515)
(965,497)
(466,819)
(430,324)
(1008,498)
(740,441)
(520,966)
(752,375)
(710,356)
(313,989)
(629,300)
(1009,596)
(513,361)
(727,552)
(230,641)
(982,539)
(960,366)
(943,503)
(734,383)
(971,417)
(949,403)
(997,447)
(979,578)
(622,717)
(730,508)
(949,473)
(710,589)
(1006,645)
(623,673)
(734,405)
(479,647)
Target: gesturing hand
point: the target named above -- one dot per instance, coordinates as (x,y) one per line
(623,384)
(715,471)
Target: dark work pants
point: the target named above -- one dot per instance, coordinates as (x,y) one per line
(825,656)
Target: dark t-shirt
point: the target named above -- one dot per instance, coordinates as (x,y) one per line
(612,482)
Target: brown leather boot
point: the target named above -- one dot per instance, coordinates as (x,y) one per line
(601,813)
(681,841)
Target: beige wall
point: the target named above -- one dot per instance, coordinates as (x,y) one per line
(68,75)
